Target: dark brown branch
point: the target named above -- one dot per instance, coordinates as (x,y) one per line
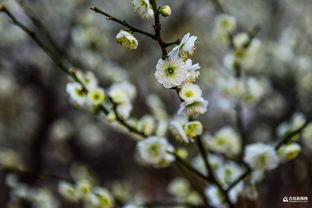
(122,22)
(211,175)
(157,28)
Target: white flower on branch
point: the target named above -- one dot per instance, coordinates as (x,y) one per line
(193,108)
(101,198)
(179,187)
(156,151)
(147,124)
(217,199)
(96,96)
(289,151)
(77,94)
(228,173)
(122,92)
(143,8)
(224,25)
(124,110)
(261,156)
(190,91)
(171,72)
(185,48)
(127,40)
(193,128)
(176,128)
(225,141)
(88,79)
(193,71)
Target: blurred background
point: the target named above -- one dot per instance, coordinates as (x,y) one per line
(41,132)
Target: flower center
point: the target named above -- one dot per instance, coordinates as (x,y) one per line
(189,94)
(154,150)
(170,71)
(80,92)
(96,96)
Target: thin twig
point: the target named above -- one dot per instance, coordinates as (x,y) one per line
(190,168)
(122,22)
(289,136)
(283,141)
(211,174)
(60,51)
(33,36)
(157,27)
(58,62)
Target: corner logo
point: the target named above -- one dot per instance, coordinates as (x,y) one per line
(295,199)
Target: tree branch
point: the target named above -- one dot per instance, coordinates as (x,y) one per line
(283,141)
(122,22)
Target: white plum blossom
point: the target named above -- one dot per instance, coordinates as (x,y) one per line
(122,92)
(193,108)
(101,198)
(176,128)
(225,141)
(289,151)
(171,72)
(88,79)
(193,128)
(249,90)
(77,94)
(217,199)
(143,8)
(127,40)
(68,191)
(185,48)
(224,25)
(260,156)
(228,173)
(156,151)
(193,71)
(179,187)
(147,124)
(190,91)
(124,110)
(83,188)
(215,196)
(96,96)
(240,40)
(225,22)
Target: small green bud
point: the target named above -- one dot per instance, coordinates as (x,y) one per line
(181,152)
(165,11)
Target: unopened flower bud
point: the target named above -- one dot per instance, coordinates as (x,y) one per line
(165,11)
(289,151)
(127,40)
